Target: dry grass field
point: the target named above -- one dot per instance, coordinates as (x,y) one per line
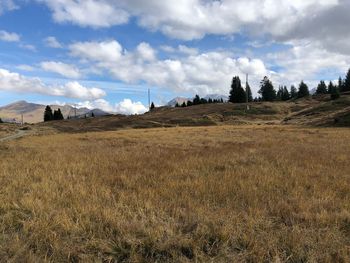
(203,194)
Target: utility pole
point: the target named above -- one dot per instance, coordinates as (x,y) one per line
(246,91)
(22,119)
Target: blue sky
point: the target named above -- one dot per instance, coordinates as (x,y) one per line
(104,53)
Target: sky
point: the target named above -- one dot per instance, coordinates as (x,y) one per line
(107,53)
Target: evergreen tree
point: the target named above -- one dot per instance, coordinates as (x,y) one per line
(196,100)
(189,103)
(303,90)
(210,100)
(92,114)
(177,105)
(341,84)
(48,115)
(285,94)
(322,88)
(335,94)
(346,84)
(203,101)
(279,93)
(250,95)
(237,93)
(183,105)
(293,92)
(221,100)
(152,106)
(1,121)
(267,91)
(331,88)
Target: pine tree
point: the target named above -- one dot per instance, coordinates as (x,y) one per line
(177,105)
(189,103)
(267,91)
(321,88)
(152,106)
(210,100)
(196,100)
(303,90)
(335,94)
(237,93)
(183,105)
(341,84)
(346,86)
(293,92)
(285,94)
(57,115)
(92,114)
(279,93)
(1,121)
(48,115)
(250,95)
(331,88)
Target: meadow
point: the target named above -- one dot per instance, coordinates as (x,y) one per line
(185,194)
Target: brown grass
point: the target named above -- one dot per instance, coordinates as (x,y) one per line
(217,194)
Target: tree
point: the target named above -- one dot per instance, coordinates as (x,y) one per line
(183,105)
(293,92)
(279,93)
(177,105)
(341,84)
(210,100)
(285,94)
(152,106)
(331,88)
(346,86)
(237,93)
(48,115)
(1,121)
(189,103)
(335,93)
(92,114)
(267,91)
(250,95)
(322,88)
(57,115)
(196,100)
(303,90)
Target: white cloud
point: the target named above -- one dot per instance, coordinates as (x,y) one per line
(94,13)
(7,5)
(127,106)
(66,70)
(25,67)
(9,37)
(15,82)
(28,47)
(52,42)
(202,73)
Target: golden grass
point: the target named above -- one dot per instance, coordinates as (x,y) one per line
(217,194)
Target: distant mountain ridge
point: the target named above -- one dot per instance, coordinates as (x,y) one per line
(181,100)
(33,113)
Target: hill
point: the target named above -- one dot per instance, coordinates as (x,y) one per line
(311,112)
(33,113)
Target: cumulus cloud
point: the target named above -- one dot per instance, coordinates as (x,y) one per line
(7,5)
(94,13)
(126,106)
(202,73)
(52,42)
(66,70)
(9,37)
(15,82)
(28,47)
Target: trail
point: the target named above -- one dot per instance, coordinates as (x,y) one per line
(18,134)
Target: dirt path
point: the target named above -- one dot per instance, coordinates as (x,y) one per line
(18,134)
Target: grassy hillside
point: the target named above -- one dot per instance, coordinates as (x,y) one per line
(319,111)
(201,194)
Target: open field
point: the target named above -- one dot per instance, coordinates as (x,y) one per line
(219,194)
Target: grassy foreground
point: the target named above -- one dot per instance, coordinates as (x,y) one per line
(220,194)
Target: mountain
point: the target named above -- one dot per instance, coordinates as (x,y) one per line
(181,100)
(33,113)
(178,100)
(216,97)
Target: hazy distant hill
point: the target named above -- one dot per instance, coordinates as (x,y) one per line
(33,113)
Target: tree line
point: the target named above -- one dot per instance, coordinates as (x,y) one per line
(197,101)
(50,115)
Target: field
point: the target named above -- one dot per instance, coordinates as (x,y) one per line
(204,194)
